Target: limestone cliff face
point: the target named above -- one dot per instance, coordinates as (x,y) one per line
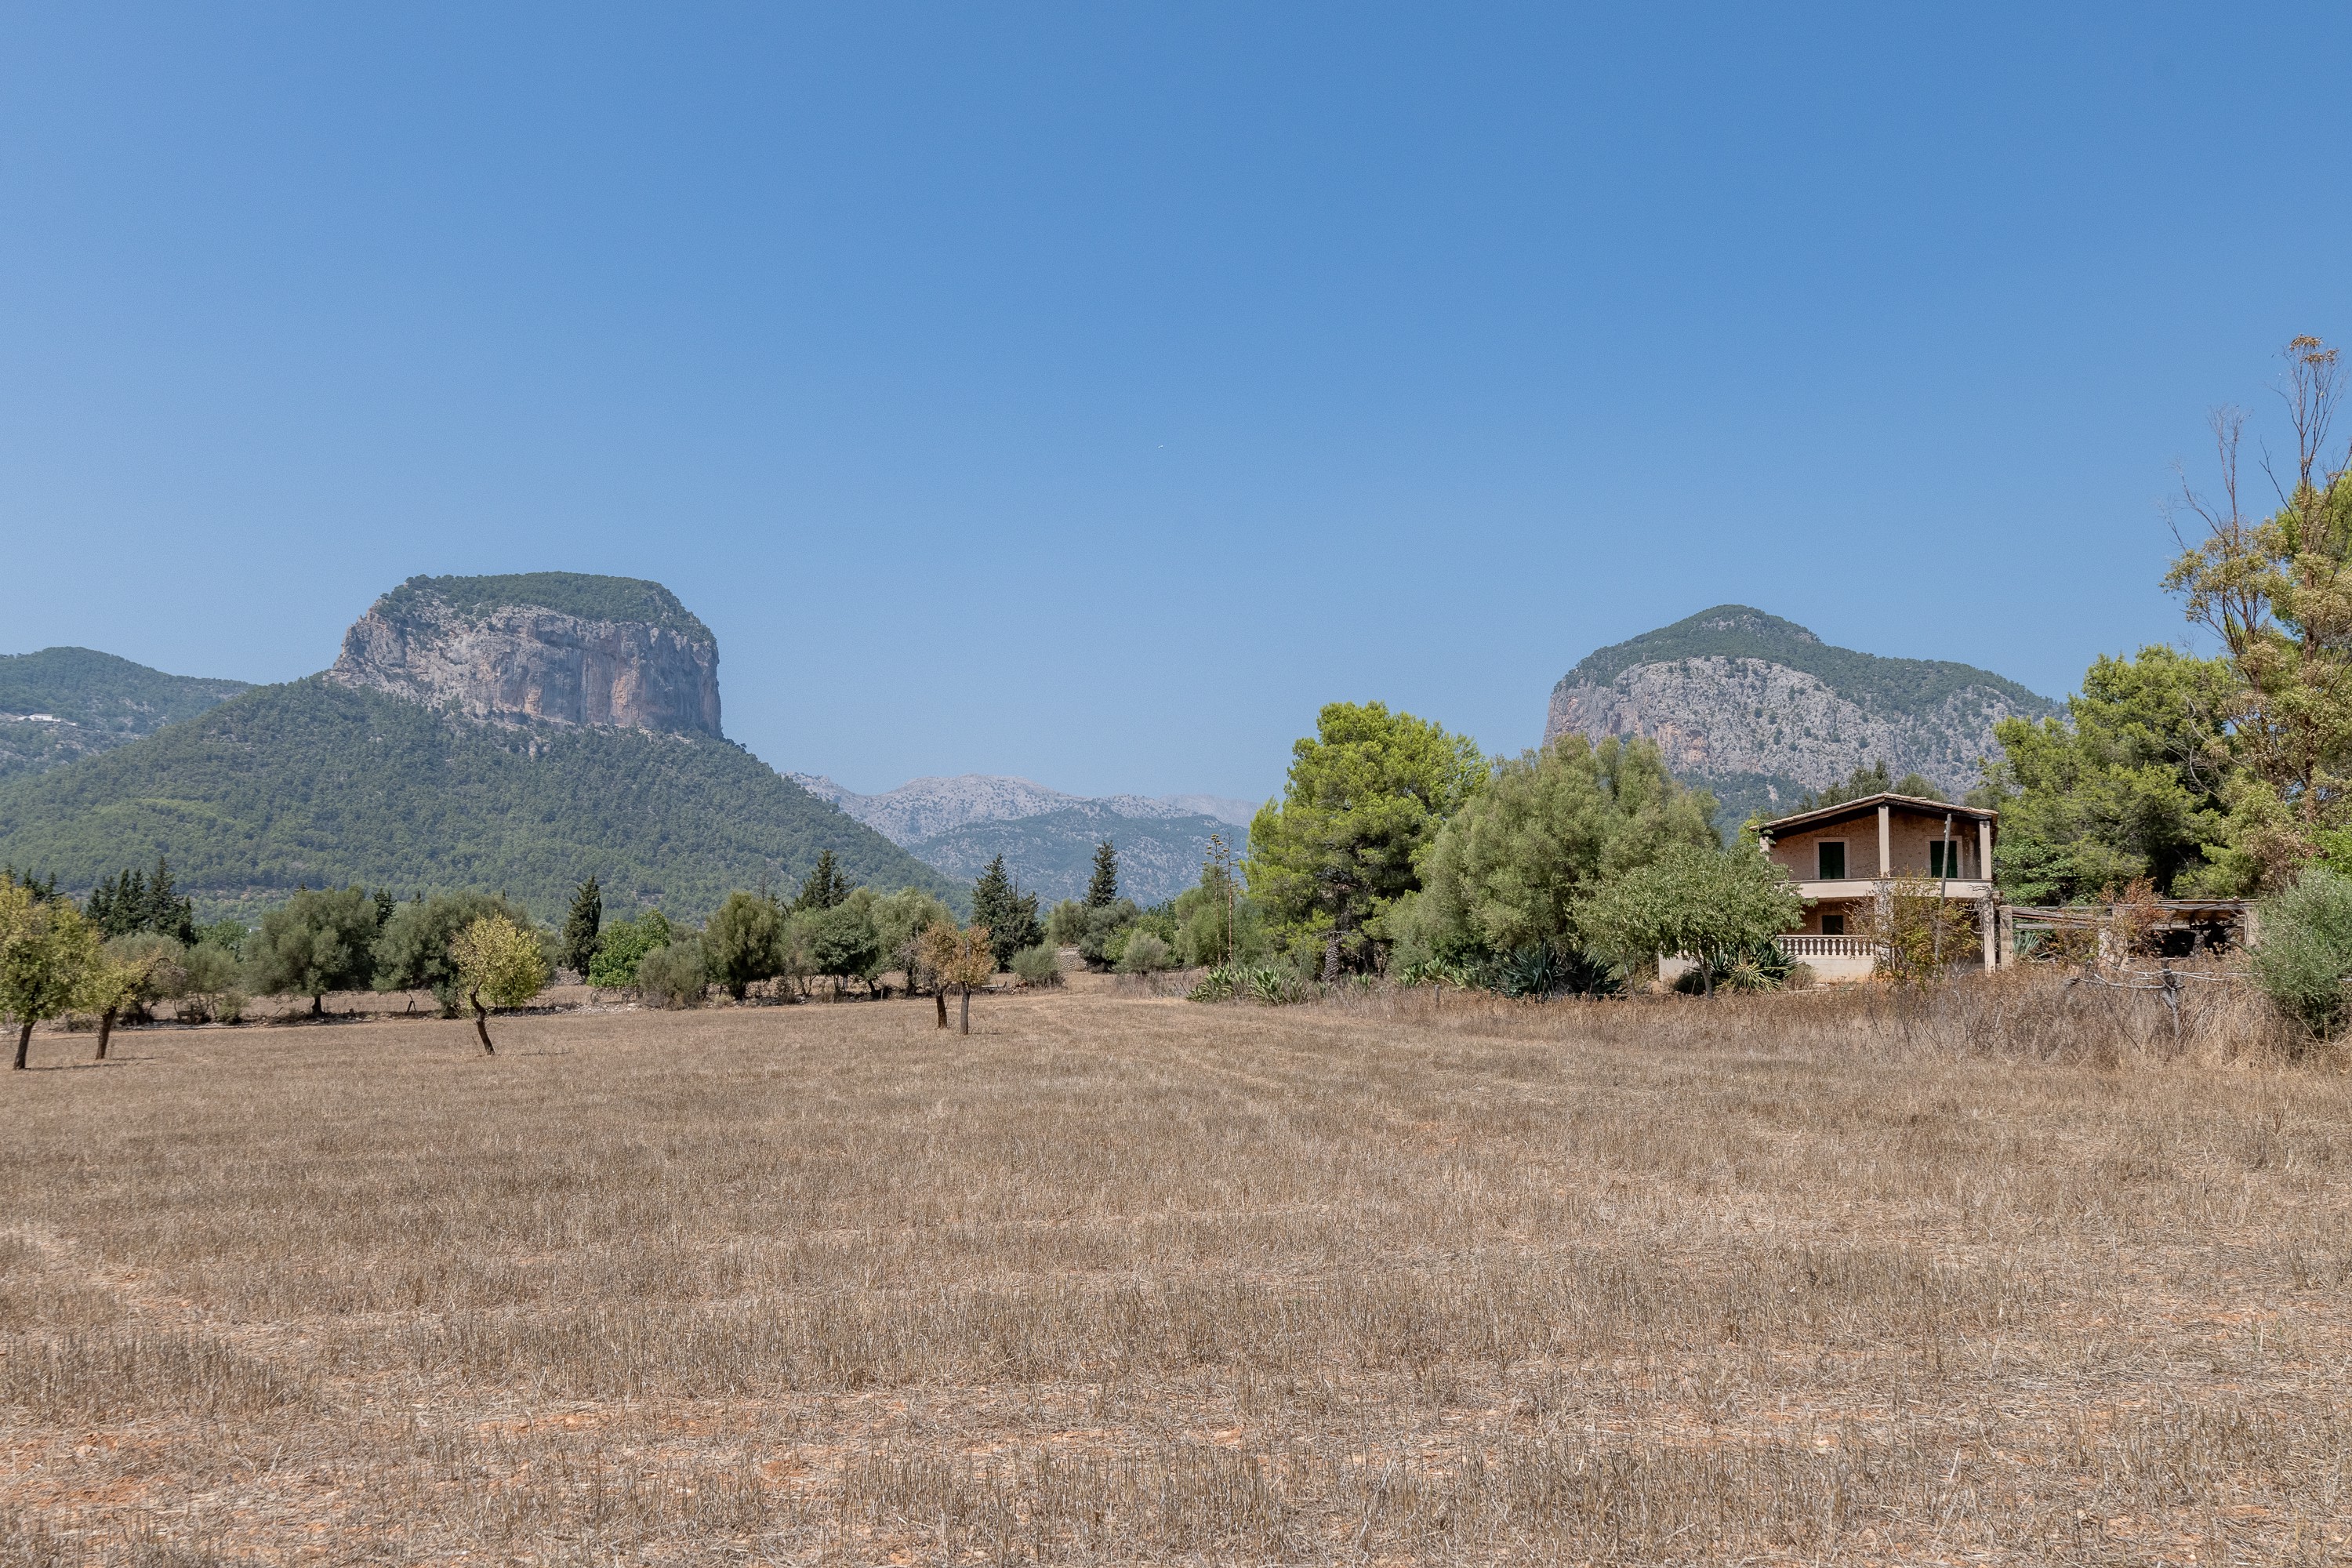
(515,662)
(1719,715)
(1760,710)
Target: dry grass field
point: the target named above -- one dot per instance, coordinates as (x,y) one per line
(1123,1279)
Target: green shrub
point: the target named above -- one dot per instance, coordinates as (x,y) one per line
(1038,966)
(2305,952)
(744,942)
(674,976)
(1103,939)
(1145,953)
(210,985)
(623,944)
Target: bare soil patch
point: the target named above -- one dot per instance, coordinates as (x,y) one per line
(1121,1279)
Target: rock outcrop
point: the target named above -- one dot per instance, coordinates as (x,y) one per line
(1759,710)
(546,647)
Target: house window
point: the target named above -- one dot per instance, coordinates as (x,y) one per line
(1834,860)
(1834,925)
(1944,859)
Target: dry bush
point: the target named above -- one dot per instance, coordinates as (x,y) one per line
(1989,1271)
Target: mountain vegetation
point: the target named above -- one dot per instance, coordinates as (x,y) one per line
(88,702)
(591,597)
(313,783)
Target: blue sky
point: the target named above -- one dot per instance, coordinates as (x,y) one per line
(1089,393)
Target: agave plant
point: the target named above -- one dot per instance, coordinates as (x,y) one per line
(1218,985)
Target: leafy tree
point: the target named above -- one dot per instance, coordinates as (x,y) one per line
(1102,937)
(1365,796)
(314,942)
(498,963)
(2133,782)
(675,974)
(1507,872)
(411,952)
(964,959)
(899,921)
(843,944)
(130,972)
(582,927)
(2272,590)
(1103,889)
(623,944)
(744,943)
(1010,915)
(825,888)
(46,952)
(1145,953)
(213,989)
(1709,903)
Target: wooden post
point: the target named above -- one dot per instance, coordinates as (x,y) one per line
(1885,844)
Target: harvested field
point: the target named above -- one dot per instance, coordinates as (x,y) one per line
(1128,1280)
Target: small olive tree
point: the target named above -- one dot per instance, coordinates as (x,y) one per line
(500,963)
(962,959)
(46,953)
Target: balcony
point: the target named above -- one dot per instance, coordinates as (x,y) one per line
(1961,890)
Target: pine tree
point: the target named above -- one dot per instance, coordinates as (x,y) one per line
(825,886)
(582,927)
(165,911)
(1010,914)
(1103,891)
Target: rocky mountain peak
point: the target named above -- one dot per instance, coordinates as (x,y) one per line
(1760,710)
(560,647)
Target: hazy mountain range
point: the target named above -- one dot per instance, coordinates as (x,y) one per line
(1047,837)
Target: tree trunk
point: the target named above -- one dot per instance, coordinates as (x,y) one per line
(940,996)
(482,1025)
(1331,959)
(964,1026)
(319,1006)
(105,1032)
(24,1043)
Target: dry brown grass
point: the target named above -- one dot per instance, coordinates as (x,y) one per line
(1126,1279)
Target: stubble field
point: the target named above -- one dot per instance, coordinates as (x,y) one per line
(1128,1279)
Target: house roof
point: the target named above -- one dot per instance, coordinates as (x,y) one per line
(1850,810)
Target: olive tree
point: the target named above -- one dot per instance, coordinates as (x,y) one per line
(46,952)
(498,963)
(963,958)
(316,941)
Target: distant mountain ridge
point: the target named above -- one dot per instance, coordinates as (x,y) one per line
(490,744)
(1760,710)
(1047,837)
(62,704)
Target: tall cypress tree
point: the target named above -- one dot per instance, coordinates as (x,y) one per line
(1010,914)
(582,927)
(1103,891)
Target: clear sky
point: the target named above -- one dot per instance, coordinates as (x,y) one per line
(1089,393)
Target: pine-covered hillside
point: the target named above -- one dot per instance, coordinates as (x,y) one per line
(61,704)
(319,783)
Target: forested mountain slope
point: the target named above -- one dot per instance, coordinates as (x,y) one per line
(510,733)
(1760,710)
(321,783)
(65,703)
